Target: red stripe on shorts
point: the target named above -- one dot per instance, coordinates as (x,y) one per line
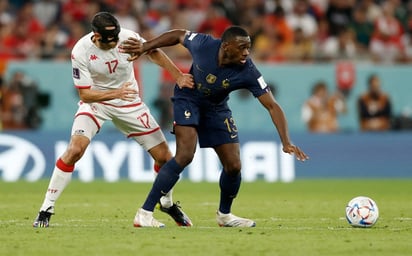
(142,133)
(123,106)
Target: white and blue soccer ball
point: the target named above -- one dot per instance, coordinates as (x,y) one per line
(362,211)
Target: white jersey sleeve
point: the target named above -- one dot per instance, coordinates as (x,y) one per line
(80,72)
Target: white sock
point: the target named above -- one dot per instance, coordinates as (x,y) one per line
(58,182)
(167,200)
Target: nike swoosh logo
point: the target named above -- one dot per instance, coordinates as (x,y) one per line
(163,193)
(233,136)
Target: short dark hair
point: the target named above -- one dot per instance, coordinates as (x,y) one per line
(101,21)
(232,32)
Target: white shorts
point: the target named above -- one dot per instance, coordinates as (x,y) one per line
(134,121)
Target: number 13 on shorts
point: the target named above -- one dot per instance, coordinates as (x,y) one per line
(231,126)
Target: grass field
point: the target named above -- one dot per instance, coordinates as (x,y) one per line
(305,217)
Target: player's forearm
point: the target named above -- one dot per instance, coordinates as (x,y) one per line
(161,59)
(91,96)
(168,38)
(277,115)
(279,120)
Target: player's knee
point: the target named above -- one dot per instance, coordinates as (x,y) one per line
(160,161)
(232,169)
(184,159)
(161,154)
(75,152)
(162,157)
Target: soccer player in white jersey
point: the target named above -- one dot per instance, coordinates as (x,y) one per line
(104,77)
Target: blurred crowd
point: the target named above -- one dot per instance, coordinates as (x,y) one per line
(321,110)
(281,30)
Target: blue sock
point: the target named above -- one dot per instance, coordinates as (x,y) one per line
(165,180)
(229,187)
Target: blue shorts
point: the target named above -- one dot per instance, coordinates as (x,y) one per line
(214,123)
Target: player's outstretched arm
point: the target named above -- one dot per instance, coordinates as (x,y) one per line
(136,48)
(160,58)
(279,120)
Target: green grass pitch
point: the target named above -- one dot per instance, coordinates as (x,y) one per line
(305,217)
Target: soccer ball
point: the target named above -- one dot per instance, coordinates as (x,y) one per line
(362,211)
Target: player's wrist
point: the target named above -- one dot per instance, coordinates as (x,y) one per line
(146,47)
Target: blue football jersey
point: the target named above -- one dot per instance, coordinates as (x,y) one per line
(214,83)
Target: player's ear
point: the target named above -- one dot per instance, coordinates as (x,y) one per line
(97,36)
(225,45)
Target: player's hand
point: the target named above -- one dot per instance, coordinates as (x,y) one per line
(185,80)
(299,154)
(133,56)
(126,93)
(132,46)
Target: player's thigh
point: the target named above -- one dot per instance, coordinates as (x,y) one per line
(217,128)
(139,125)
(151,140)
(86,125)
(187,117)
(84,129)
(186,140)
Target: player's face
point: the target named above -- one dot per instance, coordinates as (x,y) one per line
(108,46)
(238,50)
(112,40)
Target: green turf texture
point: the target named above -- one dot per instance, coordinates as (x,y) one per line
(305,217)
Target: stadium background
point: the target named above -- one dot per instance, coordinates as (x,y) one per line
(349,153)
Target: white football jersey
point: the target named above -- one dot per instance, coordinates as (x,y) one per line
(100,69)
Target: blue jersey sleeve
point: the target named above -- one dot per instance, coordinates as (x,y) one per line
(195,41)
(256,83)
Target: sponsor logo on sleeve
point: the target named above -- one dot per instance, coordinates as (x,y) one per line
(76,73)
(262,82)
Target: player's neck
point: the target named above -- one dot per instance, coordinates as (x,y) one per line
(222,59)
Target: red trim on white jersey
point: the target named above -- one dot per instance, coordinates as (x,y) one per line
(123,106)
(83,86)
(142,133)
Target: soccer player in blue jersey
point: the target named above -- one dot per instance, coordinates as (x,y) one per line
(219,67)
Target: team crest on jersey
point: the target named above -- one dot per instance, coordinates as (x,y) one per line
(211,79)
(225,83)
(76,73)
